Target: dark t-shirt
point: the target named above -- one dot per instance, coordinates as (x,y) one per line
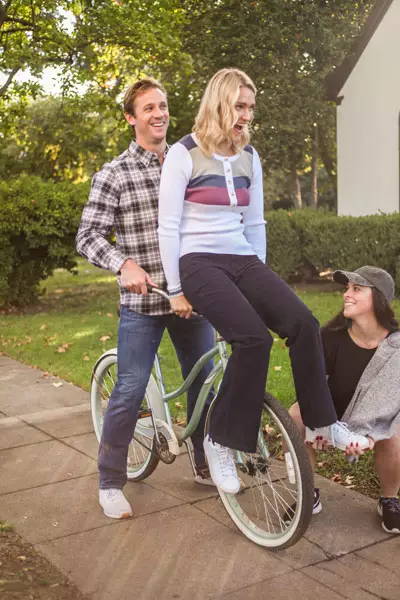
(345,363)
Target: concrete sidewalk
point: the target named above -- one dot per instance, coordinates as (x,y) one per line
(180,545)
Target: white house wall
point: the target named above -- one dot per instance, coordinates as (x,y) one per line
(368,125)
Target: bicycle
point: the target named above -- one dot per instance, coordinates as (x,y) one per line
(274,479)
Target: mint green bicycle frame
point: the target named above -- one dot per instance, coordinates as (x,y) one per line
(165,398)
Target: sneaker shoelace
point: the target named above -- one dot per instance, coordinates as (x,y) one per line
(112,494)
(225,460)
(339,425)
(392,504)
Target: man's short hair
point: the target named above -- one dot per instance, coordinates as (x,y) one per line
(134,90)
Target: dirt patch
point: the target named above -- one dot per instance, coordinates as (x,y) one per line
(27,575)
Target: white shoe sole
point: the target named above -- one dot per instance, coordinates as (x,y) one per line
(125,515)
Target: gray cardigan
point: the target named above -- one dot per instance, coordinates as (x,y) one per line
(375,406)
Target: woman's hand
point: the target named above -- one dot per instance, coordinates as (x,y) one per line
(355,450)
(181,307)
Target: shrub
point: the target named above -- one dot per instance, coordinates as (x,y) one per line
(284,248)
(349,242)
(323,240)
(37,231)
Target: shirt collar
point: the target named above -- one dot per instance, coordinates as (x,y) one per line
(142,155)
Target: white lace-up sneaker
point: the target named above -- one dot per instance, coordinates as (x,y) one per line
(338,435)
(222,466)
(114,504)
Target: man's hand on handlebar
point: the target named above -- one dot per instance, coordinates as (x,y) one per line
(181,306)
(134,278)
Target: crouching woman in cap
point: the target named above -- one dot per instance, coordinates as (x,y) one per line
(362,355)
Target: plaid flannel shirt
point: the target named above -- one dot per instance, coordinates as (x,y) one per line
(124,199)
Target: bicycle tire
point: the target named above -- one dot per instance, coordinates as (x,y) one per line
(266,493)
(142,454)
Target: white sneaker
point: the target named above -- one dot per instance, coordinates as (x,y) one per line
(114,504)
(222,466)
(338,435)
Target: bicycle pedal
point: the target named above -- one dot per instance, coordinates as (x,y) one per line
(169,434)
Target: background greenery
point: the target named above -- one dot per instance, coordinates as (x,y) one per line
(99,46)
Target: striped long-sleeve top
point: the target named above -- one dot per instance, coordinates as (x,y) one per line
(209,204)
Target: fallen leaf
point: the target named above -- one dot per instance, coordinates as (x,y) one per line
(178,404)
(85,358)
(110,315)
(104,338)
(58,384)
(63,348)
(268,429)
(277,368)
(44,326)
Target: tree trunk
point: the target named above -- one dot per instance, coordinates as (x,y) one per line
(327,160)
(295,189)
(314,169)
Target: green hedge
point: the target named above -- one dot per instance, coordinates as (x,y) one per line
(39,220)
(38,223)
(312,241)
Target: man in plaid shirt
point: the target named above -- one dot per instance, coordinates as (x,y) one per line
(124,199)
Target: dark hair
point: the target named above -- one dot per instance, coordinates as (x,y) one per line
(133,91)
(382,310)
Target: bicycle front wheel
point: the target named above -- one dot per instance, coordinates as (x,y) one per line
(276,481)
(142,454)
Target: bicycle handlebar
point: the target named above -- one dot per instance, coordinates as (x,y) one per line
(158,291)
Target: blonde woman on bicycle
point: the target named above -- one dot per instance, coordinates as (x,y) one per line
(213,248)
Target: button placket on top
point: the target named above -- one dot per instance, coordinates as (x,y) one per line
(229,182)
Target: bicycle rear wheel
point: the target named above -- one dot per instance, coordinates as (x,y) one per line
(142,454)
(276,479)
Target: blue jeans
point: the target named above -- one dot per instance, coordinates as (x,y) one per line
(139,337)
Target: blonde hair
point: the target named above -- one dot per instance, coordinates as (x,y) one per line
(134,90)
(217,116)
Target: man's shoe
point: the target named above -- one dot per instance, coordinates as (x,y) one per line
(222,466)
(114,504)
(203,475)
(317,507)
(389,510)
(337,435)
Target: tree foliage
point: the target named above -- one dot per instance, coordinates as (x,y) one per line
(287,46)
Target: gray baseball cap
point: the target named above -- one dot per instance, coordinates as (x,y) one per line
(369,276)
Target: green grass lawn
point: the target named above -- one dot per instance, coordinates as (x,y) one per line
(76,321)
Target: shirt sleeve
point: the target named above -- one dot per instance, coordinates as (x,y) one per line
(97,222)
(175,176)
(253,218)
